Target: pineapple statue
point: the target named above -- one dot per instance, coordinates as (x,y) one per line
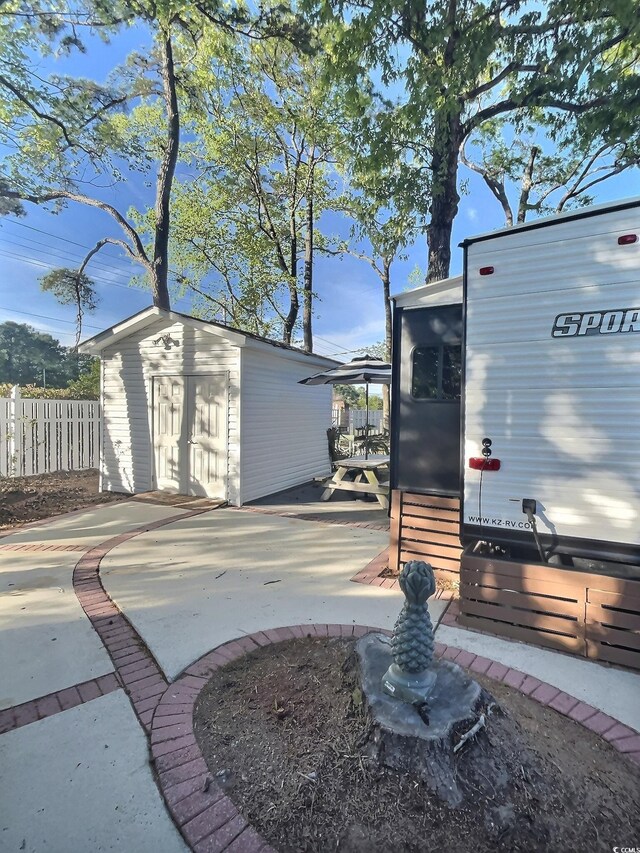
(410,677)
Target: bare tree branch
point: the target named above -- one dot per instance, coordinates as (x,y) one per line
(34,109)
(496,186)
(527,184)
(535,97)
(512,67)
(113,241)
(137,253)
(615,170)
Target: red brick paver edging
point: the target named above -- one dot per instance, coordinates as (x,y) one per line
(370,575)
(208,819)
(137,669)
(54,703)
(41,546)
(140,673)
(371,572)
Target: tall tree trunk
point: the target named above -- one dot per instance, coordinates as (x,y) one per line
(308,270)
(527,183)
(294,302)
(159,277)
(386,286)
(445,198)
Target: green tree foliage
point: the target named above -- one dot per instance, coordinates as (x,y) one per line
(87,385)
(63,134)
(354,396)
(68,136)
(28,357)
(265,132)
(381,230)
(533,174)
(72,287)
(440,71)
(349,393)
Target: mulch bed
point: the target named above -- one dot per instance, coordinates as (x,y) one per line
(280,731)
(24,499)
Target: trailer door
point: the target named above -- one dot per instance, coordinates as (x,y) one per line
(428,348)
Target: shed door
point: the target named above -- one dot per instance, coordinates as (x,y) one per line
(190,436)
(207,438)
(427,425)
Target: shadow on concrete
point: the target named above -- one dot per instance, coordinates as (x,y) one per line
(343,507)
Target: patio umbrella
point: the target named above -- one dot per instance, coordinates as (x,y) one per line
(365,370)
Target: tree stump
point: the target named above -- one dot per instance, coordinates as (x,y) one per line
(423,740)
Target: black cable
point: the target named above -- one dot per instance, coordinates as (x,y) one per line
(46,317)
(480,500)
(47,233)
(38,263)
(534,529)
(31,246)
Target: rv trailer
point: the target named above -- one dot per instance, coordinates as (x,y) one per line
(425,426)
(549,464)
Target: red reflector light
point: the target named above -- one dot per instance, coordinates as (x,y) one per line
(486,270)
(626,239)
(479,463)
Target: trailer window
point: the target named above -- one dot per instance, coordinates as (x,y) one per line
(424,377)
(436,372)
(451,372)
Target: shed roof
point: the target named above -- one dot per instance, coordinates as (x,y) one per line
(147,316)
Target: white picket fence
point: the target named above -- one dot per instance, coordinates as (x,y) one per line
(354,419)
(40,436)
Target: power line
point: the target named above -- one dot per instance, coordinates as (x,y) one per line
(45,317)
(48,266)
(48,233)
(62,259)
(344,352)
(104,282)
(28,243)
(320,338)
(335,344)
(91,326)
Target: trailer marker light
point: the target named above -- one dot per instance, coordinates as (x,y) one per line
(626,240)
(486,270)
(479,463)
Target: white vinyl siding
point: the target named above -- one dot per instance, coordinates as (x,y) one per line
(127,373)
(284,424)
(562,413)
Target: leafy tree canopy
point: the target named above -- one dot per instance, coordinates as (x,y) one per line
(31,357)
(437,72)
(354,396)
(533,171)
(67,139)
(265,131)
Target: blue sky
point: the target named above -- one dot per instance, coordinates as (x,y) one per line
(348,311)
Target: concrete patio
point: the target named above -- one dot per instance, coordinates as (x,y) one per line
(75,765)
(343,507)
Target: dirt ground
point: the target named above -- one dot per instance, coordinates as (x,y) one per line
(281,730)
(24,499)
(444,583)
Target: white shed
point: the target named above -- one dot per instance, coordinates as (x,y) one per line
(195,407)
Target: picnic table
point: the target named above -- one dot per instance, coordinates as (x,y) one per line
(366,478)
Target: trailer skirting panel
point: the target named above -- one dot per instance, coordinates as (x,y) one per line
(592,615)
(426,527)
